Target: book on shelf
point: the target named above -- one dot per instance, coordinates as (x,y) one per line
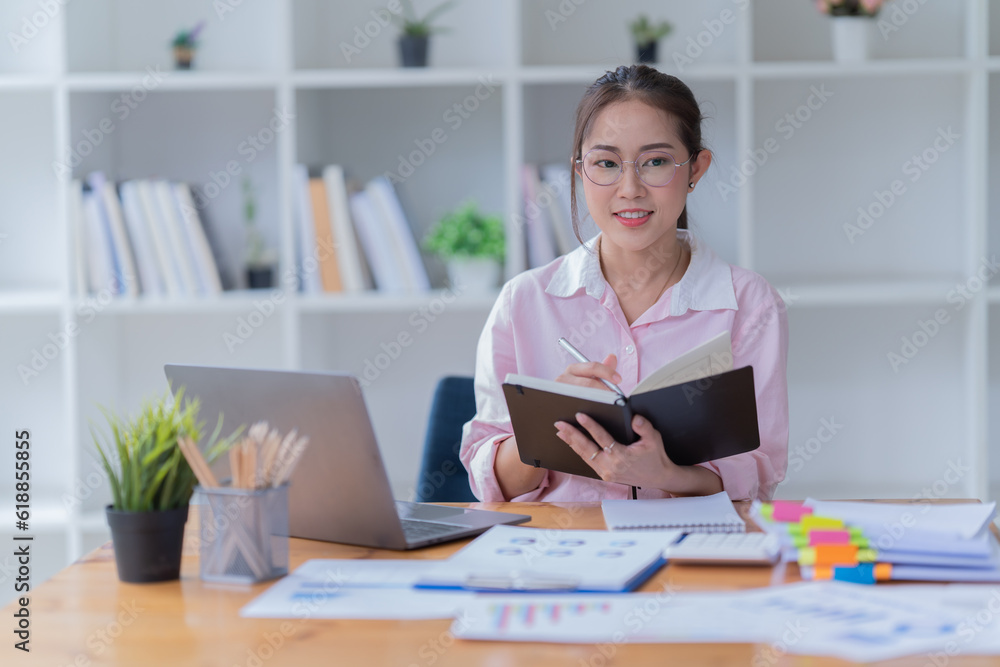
(146,258)
(368,223)
(176,238)
(305,227)
(140,237)
(167,262)
(194,230)
(121,244)
(537,222)
(355,272)
(555,185)
(99,262)
(123,275)
(400,233)
(703,409)
(325,245)
(78,239)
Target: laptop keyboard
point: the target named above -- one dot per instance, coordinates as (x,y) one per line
(421,530)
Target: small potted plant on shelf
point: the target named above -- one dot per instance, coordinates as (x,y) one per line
(472,246)
(151,484)
(646,35)
(185,43)
(413,43)
(850,27)
(260,259)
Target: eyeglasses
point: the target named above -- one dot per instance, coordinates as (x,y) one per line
(655,168)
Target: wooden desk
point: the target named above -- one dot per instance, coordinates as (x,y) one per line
(85,616)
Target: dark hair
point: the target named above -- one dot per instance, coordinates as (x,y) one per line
(637,82)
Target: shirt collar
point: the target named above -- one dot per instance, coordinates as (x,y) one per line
(706,285)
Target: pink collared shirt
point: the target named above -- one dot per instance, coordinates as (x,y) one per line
(570,297)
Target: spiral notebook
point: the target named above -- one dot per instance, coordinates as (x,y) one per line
(697,514)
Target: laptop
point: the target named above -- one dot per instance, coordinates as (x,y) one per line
(339,490)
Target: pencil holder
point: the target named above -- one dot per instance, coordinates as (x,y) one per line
(244,534)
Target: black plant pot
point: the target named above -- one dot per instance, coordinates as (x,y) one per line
(183,57)
(260,277)
(646,53)
(413,50)
(147,544)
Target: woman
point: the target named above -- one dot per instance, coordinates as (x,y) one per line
(650,291)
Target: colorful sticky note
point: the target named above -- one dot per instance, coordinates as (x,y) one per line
(783,510)
(863,573)
(811,521)
(824,536)
(797,530)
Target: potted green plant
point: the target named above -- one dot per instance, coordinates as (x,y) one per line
(151,484)
(185,43)
(472,246)
(646,35)
(414,40)
(259,258)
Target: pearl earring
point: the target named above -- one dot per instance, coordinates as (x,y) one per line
(691,185)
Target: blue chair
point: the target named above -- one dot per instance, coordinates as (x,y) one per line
(443,478)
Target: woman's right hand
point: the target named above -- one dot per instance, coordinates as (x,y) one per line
(589,374)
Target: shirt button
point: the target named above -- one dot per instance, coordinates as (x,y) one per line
(629,349)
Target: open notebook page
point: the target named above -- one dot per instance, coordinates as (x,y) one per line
(712,357)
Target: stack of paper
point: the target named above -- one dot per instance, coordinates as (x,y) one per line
(869,542)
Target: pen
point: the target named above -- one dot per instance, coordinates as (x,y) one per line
(582,359)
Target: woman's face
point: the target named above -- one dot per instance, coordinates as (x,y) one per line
(632,214)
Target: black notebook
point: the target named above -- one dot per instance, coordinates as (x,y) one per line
(710,416)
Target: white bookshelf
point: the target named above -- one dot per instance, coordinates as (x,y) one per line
(850,304)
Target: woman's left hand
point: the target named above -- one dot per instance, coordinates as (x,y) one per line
(643,463)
